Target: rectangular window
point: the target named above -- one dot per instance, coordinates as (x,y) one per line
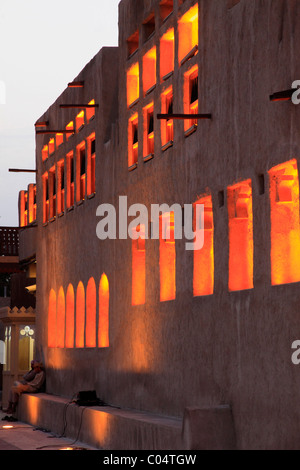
(90,112)
(45,198)
(91,146)
(240,236)
(167,125)
(133,84)
(133,144)
(149,71)
(45,152)
(81,172)
(203,277)
(69,127)
(51,146)
(59,139)
(190,97)
(133,43)
(148,132)
(167,54)
(188,35)
(52,193)
(31,203)
(165,8)
(79,121)
(167,258)
(138,266)
(149,27)
(285,225)
(22,209)
(70,179)
(61,187)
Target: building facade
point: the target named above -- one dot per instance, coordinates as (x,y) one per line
(147,323)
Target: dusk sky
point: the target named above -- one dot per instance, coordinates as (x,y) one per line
(43,46)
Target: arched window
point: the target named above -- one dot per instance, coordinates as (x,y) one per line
(80,315)
(52,319)
(61,316)
(70,317)
(90,327)
(103,325)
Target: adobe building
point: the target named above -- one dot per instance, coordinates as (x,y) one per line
(191,348)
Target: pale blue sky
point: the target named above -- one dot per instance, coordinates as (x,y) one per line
(43,46)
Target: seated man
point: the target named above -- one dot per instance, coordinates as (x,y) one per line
(30,387)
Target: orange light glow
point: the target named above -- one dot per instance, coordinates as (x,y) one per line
(70,317)
(52,320)
(285,227)
(148,130)
(240,236)
(203,278)
(51,146)
(190,96)
(188,33)
(138,266)
(45,198)
(167,54)
(91,157)
(69,127)
(79,120)
(52,192)
(90,112)
(45,152)
(90,327)
(80,315)
(59,139)
(23,208)
(31,203)
(80,171)
(149,70)
(61,315)
(167,258)
(133,84)
(70,179)
(167,126)
(133,144)
(60,187)
(103,324)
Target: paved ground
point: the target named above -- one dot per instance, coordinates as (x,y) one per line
(22,436)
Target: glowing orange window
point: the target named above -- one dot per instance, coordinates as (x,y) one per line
(167,258)
(69,127)
(240,236)
(133,143)
(59,138)
(148,149)
(103,323)
(167,126)
(61,187)
(190,97)
(203,277)
(61,316)
(149,70)
(285,227)
(133,84)
(70,302)
(188,35)
(52,338)
(79,121)
(167,54)
(80,172)
(90,328)
(91,156)
(90,112)
(80,316)
(22,209)
(52,193)
(138,266)
(31,203)
(70,179)
(51,146)
(45,198)
(45,152)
